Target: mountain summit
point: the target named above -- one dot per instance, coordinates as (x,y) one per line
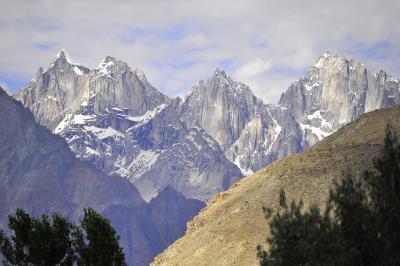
(196,147)
(112,117)
(229,229)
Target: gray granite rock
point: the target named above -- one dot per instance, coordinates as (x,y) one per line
(251,134)
(62,89)
(40,174)
(122,125)
(335,91)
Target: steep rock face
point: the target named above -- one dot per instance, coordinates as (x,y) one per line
(65,86)
(153,151)
(114,83)
(230,113)
(228,230)
(122,130)
(220,106)
(194,166)
(54,93)
(39,173)
(266,140)
(123,125)
(335,91)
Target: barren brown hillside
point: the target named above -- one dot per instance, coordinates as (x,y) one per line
(228,230)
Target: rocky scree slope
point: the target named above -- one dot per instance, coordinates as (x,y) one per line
(229,229)
(39,174)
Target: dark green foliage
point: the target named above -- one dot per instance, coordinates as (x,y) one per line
(301,238)
(101,247)
(37,241)
(59,242)
(359,226)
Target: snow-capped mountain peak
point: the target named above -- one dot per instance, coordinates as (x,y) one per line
(327,54)
(220,73)
(63,62)
(63,55)
(334,92)
(114,118)
(105,66)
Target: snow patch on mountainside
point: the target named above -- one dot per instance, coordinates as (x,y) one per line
(277,131)
(143,119)
(78,71)
(245,172)
(80,119)
(63,124)
(317,131)
(103,133)
(105,67)
(137,167)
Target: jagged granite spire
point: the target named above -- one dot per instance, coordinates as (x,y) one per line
(121,124)
(336,90)
(63,55)
(64,86)
(221,106)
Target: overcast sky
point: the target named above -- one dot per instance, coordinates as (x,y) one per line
(266,44)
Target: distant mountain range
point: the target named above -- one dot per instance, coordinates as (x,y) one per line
(228,231)
(149,162)
(199,145)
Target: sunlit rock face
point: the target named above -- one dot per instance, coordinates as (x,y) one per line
(112,117)
(180,151)
(221,106)
(65,86)
(231,114)
(334,91)
(56,92)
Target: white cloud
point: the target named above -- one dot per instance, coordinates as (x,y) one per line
(178,42)
(252,69)
(194,41)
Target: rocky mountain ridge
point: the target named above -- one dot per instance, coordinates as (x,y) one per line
(229,229)
(125,127)
(112,117)
(334,92)
(61,89)
(39,174)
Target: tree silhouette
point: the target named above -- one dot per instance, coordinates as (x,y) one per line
(359,226)
(57,241)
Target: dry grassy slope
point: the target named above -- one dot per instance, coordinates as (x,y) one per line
(228,230)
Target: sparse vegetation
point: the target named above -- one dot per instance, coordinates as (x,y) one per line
(360,224)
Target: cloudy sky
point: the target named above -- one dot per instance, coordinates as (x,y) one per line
(266,44)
